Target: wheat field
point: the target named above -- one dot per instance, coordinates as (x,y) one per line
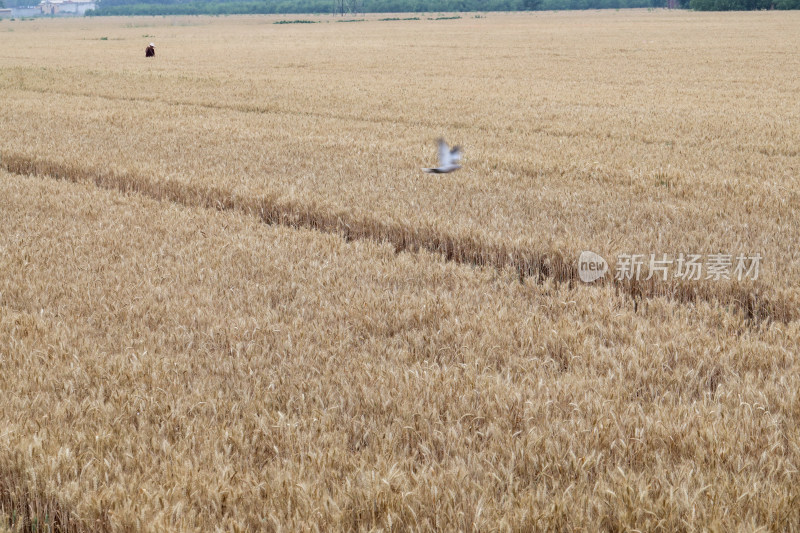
(230,299)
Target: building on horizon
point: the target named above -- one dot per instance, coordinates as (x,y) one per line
(65,7)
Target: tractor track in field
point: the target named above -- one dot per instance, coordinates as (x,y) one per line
(751,301)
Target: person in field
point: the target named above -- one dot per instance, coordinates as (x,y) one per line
(150,51)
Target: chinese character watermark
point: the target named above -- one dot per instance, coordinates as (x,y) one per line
(662,267)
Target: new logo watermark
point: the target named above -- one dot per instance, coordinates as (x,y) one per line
(688,267)
(591,267)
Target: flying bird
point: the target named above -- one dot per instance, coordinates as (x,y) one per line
(448,159)
(150,51)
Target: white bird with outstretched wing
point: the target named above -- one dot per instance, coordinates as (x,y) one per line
(448,159)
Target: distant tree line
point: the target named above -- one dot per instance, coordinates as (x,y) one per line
(232,7)
(742,5)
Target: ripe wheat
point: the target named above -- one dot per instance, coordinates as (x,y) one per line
(169,361)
